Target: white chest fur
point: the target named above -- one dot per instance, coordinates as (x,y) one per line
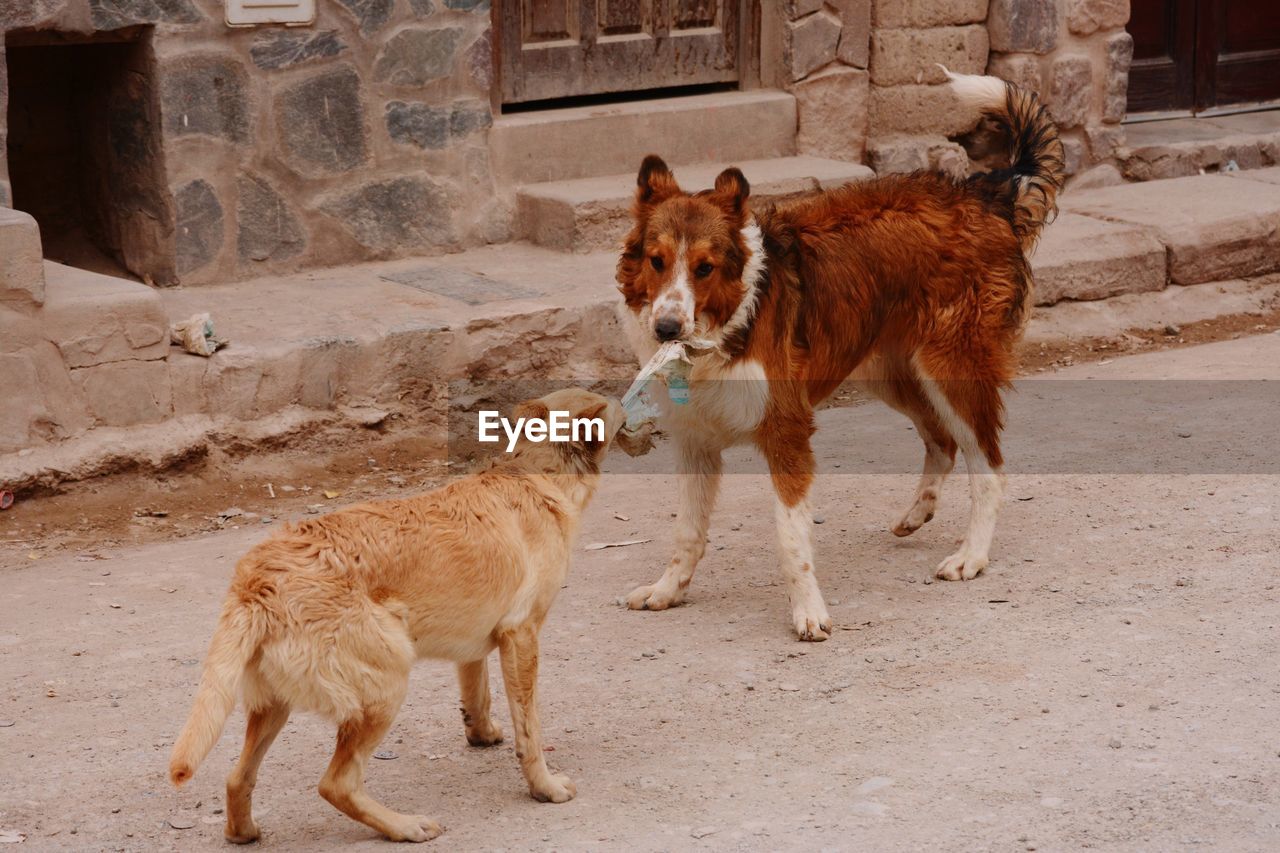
(727,397)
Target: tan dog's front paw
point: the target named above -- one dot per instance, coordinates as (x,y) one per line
(415,828)
(557,789)
(960,566)
(243,834)
(487,733)
(654,597)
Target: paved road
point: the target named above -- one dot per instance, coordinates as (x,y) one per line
(1111,681)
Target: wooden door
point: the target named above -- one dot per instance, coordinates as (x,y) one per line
(1162,76)
(562,48)
(1238,60)
(1200,54)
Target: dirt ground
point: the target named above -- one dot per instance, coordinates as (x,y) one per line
(1110,682)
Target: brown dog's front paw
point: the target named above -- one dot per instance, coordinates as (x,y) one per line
(486,734)
(812,625)
(961,566)
(814,632)
(557,789)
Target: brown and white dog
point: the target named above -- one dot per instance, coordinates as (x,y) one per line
(329,614)
(917,285)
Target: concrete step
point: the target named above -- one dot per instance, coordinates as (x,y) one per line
(1213,227)
(1179,148)
(578,142)
(21,268)
(594,213)
(92,356)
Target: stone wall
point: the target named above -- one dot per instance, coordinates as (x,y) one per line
(825,49)
(1076,54)
(360,137)
(910,115)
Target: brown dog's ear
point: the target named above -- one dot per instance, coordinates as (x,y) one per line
(655,182)
(732,189)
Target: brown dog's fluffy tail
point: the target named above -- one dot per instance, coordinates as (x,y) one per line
(234,643)
(1036,160)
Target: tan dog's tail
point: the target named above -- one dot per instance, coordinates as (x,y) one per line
(1036,159)
(235,641)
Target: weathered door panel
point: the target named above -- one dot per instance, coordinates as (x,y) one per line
(563,48)
(1201,54)
(1162,76)
(1240,46)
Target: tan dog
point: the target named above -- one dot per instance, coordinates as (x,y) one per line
(328,615)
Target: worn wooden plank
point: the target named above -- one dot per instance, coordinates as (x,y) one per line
(625,17)
(548,20)
(564,48)
(687,14)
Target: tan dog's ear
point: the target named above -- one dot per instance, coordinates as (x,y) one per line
(597,410)
(655,183)
(732,191)
(533,409)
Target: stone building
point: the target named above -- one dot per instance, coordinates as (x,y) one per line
(149,144)
(149,135)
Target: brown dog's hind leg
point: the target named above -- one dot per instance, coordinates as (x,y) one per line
(894,380)
(972,411)
(473,678)
(263,726)
(343,783)
(939,459)
(519,651)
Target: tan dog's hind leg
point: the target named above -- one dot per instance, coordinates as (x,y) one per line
(473,678)
(264,724)
(519,651)
(699,476)
(343,783)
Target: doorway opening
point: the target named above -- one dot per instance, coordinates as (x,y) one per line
(84,149)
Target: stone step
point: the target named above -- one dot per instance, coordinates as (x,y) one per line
(578,142)
(1082,258)
(594,213)
(1178,148)
(21,266)
(92,356)
(1213,227)
(327,339)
